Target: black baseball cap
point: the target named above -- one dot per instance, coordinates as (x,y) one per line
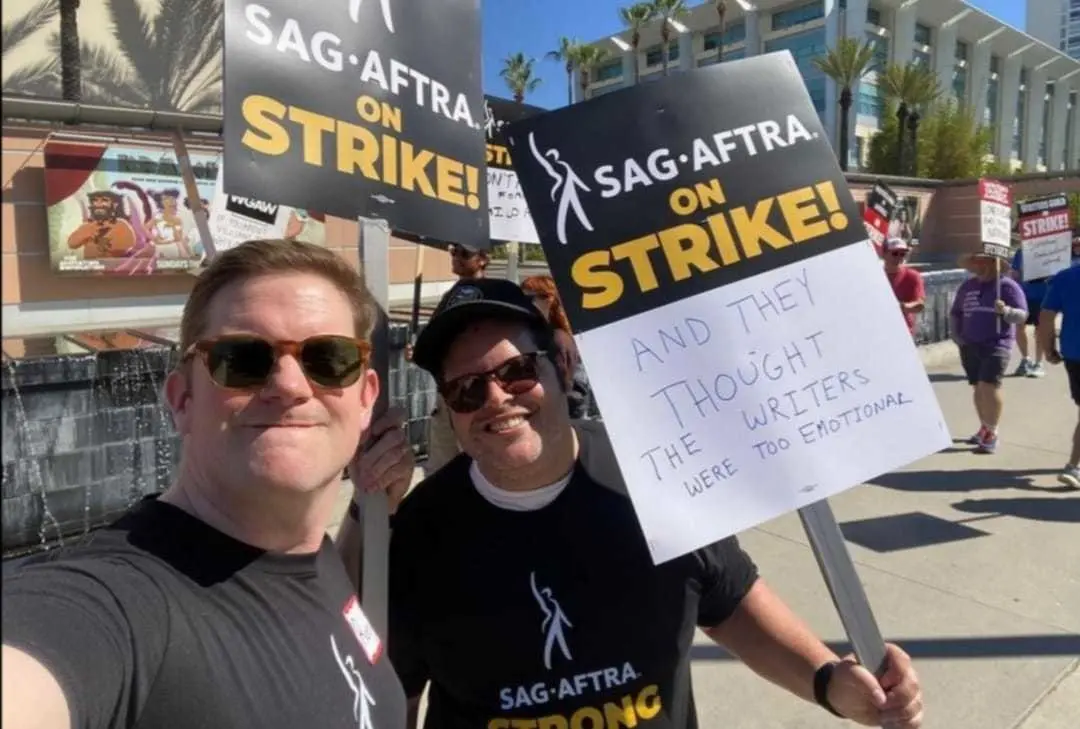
(470,300)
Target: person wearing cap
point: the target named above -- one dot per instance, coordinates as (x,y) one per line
(983,318)
(1034,291)
(1063,297)
(468,264)
(907,283)
(522,590)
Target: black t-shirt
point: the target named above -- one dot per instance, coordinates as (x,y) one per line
(552,618)
(162,622)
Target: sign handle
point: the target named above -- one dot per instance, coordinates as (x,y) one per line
(997,289)
(513,249)
(202,219)
(418,282)
(374,507)
(846,590)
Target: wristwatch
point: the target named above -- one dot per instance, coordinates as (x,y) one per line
(822,677)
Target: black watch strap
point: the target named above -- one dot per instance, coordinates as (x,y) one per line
(822,677)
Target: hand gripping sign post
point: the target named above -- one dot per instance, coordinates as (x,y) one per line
(1045,236)
(746,351)
(365,110)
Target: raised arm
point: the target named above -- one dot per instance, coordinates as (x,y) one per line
(32,697)
(80,640)
(742,614)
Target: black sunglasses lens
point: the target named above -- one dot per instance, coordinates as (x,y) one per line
(469,393)
(240,362)
(332,361)
(519,375)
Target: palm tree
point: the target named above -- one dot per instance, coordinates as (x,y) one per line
(667,10)
(721,16)
(587,58)
(565,54)
(170,61)
(517,72)
(36,78)
(913,86)
(636,17)
(70,62)
(846,63)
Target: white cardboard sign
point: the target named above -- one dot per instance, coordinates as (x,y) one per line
(507,210)
(235,219)
(1045,237)
(995,212)
(759,398)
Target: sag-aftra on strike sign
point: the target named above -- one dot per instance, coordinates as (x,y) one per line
(747,353)
(359,108)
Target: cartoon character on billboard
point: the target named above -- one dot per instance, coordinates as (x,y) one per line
(167,229)
(106,231)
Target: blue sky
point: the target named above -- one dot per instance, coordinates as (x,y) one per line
(533,27)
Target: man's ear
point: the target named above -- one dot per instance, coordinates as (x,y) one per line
(178,396)
(369,388)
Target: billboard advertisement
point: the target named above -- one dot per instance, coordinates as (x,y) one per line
(123,209)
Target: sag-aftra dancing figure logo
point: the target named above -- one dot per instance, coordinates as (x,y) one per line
(554,623)
(567,184)
(388,19)
(363,701)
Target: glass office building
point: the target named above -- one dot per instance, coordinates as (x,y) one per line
(1010,80)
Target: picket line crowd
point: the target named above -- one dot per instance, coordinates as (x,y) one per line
(991,314)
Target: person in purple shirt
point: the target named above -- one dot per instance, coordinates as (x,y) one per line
(985,313)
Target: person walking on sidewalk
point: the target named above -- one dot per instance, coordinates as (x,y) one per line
(1063,297)
(907,283)
(983,319)
(522,589)
(1034,291)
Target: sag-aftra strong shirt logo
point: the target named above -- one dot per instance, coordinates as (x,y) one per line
(628,710)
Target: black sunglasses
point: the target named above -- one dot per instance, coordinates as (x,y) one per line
(245,362)
(516,376)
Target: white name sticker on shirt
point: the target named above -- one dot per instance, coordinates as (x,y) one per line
(361,628)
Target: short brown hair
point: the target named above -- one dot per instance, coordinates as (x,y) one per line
(257,258)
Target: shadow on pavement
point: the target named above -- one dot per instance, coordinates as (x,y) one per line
(906,531)
(1065,510)
(947,376)
(1006,646)
(971,479)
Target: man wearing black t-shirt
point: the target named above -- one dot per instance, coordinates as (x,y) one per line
(222,604)
(521,587)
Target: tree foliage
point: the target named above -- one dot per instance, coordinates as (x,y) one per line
(951,144)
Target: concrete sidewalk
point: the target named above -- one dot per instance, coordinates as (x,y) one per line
(971,563)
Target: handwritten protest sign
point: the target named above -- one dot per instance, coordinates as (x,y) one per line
(995,217)
(356,108)
(1045,236)
(746,352)
(508,212)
